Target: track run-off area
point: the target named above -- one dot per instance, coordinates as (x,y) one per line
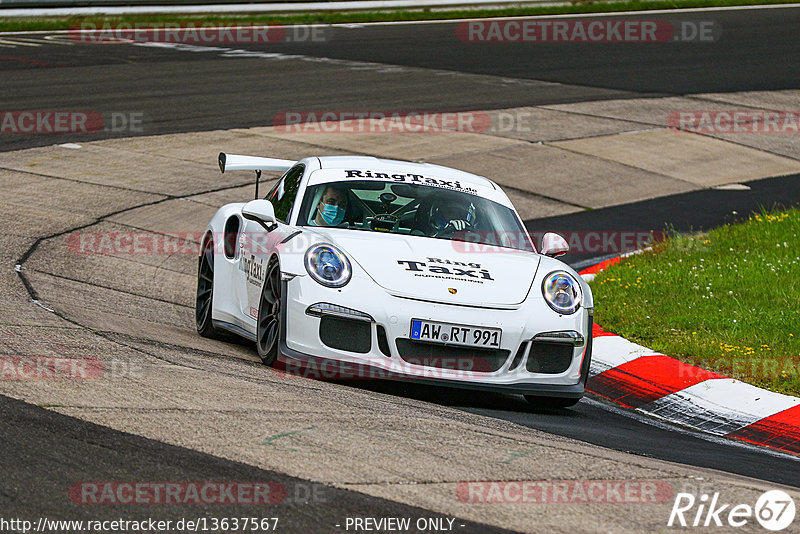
(581,135)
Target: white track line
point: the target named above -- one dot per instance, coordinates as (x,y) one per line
(258,8)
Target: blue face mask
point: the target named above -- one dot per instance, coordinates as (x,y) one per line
(331,214)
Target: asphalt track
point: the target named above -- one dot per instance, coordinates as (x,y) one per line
(213,87)
(57,451)
(182,91)
(695,211)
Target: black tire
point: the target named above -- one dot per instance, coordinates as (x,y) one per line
(205,291)
(551,403)
(268,327)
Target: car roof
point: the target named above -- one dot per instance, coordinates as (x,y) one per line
(370,163)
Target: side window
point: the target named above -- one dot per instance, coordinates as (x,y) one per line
(284,193)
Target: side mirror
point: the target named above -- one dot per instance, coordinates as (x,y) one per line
(554,245)
(260,211)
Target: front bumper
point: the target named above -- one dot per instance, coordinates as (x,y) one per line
(302,348)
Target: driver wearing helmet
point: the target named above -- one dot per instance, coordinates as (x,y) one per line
(452,215)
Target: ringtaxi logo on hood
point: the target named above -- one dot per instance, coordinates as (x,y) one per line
(447,269)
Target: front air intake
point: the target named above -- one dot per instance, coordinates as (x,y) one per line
(451,357)
(549,358)
(345,334)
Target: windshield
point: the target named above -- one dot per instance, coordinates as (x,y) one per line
(410,209)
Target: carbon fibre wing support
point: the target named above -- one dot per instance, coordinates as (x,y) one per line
(233,162)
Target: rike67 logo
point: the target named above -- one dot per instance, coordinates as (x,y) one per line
(774,510)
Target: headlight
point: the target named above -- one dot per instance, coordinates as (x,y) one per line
(562,292)
(328,265)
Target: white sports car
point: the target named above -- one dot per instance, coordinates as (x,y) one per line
(370,268)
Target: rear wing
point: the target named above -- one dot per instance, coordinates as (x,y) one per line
(233,162)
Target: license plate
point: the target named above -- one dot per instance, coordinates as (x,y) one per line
(455,334)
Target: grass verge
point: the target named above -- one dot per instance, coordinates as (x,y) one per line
(728,300)
(579,6)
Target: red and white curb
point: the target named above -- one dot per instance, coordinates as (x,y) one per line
(639,378)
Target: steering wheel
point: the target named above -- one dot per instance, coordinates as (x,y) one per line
(449,229)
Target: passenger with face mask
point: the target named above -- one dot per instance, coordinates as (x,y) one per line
(331,207)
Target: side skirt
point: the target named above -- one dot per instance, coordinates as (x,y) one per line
(236,329)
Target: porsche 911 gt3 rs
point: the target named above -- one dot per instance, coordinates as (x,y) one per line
(390,269)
